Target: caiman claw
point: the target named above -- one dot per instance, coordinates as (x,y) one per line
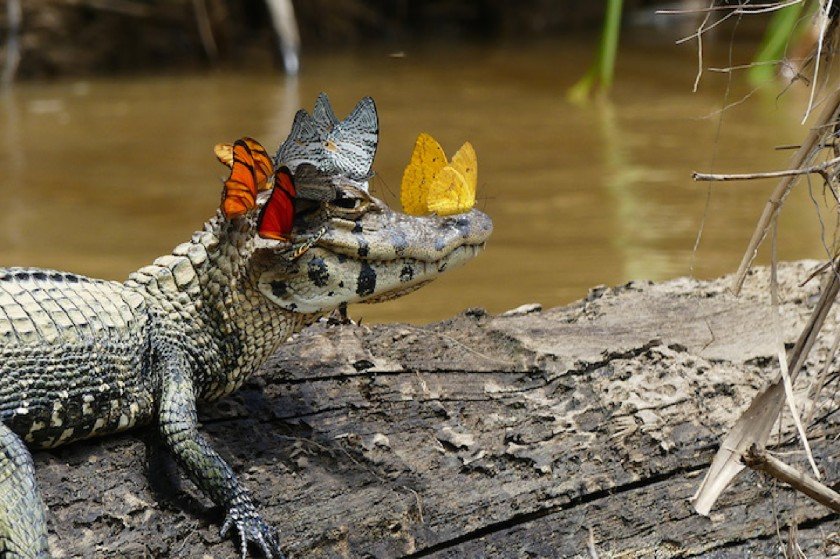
(252,528)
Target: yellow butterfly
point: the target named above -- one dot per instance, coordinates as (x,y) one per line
(431,184)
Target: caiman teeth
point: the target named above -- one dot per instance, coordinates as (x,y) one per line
(353,253)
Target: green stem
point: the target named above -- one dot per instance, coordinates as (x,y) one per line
(609,42)
(602,70)
(780,30)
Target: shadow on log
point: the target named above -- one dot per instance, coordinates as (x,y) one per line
(481,436)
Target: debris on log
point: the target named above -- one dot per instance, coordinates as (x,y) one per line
(553,433)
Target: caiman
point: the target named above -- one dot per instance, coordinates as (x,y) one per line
(82,357)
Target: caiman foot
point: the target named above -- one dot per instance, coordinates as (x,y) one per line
(339,317)
(252,528)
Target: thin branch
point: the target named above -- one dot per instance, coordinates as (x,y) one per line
(700,50)
(822,378)
(783,366)
(751,9)
(758,459)
(701,29)
(729,69)
(825,19)
(821,169)
(732,104)
(785,185)
(718,128)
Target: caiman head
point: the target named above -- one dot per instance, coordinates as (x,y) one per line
(350,247)
(359,250)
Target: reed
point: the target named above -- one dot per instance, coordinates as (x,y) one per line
(783,26)
(600,75)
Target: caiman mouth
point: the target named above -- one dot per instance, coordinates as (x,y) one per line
(424,272)
(380,256)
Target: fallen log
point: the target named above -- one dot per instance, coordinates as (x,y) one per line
(582,430)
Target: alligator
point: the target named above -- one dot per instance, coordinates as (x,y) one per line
(83,357)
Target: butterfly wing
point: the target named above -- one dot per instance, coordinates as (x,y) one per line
(427,160)
(449,193)
(240,192)
(323,114)
(466,162)
(278,213)
(304,144)
(263,166)
(224,153)
(312,184)
(351,146)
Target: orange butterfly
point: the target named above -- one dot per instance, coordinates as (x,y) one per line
(278,214)
(250,167)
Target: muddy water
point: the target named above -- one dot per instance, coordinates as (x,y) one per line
(101,176)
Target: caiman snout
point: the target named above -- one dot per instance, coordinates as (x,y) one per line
(391,235)
(382,255)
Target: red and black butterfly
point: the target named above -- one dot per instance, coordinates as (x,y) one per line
(278,213)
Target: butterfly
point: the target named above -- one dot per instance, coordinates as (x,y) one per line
(278,213)
(312,184)
(431,184)
(345,147)
(250,168)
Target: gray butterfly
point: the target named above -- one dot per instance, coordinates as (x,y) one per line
(333,147)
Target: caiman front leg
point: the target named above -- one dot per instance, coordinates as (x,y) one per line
(178,425)
(23,516)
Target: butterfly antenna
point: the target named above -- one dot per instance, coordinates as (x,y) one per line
(483,200)
(393,197)
(385,184)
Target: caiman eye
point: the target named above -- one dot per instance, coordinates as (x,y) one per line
(346,202)
(349,203)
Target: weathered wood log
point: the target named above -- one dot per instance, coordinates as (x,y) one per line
(481,436)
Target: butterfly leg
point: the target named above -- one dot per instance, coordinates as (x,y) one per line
(178,425)
(23,516)
(299,248)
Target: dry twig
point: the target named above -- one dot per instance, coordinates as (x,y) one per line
(740,9)
(800,159)
(758,459)
(823,169)
(755,424)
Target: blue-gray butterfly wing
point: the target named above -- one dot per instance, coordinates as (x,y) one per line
(333,147)
(305,144)
(323,114)
(352,143)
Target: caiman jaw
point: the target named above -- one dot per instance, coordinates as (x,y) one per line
(380,256)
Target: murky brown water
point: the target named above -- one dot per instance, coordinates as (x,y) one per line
(101,176)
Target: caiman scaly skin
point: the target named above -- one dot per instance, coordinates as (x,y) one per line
(82,357)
